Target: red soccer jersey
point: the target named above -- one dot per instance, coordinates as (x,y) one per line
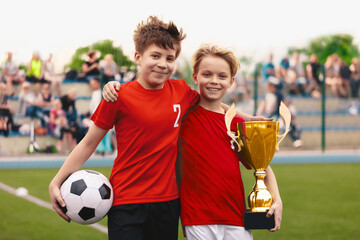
(147,126)
(212,190)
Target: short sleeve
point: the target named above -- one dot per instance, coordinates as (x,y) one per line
(106,114)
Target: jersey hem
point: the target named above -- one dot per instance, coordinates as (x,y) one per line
(147,200)
(240,224)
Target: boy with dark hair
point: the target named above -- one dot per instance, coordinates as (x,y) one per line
(146,116)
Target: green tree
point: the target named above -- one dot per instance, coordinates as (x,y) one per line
(342,44)
(104,47)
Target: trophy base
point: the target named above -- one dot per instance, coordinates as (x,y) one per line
(258,220)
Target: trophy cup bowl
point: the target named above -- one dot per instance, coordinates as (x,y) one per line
(258,141)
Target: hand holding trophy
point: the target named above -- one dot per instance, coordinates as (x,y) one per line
(257,142)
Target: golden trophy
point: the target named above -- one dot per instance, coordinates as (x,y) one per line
(257,143)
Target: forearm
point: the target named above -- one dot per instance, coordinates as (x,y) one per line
(271,184)
(80,154)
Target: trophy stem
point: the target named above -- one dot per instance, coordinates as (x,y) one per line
(260,199)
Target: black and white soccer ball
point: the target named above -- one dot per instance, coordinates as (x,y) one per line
(88,196)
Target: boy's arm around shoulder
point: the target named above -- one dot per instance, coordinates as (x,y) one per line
(109,91)
(74,161)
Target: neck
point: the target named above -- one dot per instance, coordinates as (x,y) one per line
(213,106)
(147,86)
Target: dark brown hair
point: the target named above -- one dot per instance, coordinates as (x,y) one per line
(155,31)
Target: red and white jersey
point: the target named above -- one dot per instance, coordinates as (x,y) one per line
(212,190)
(147,124)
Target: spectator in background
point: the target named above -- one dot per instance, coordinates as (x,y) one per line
(345,73)
(109,68)
(30,104)
(95,95)
(269,107)
(312,72)
(45,100)
(296,81)
(355,77)
(6,120)
(332,74)
(91,65)
(11,74)
(50,76)
(59,127)
(294,130)
(35,72)
(268,69)
(283,68)
(68,105)
(26,98)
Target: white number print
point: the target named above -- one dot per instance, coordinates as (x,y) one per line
(178,110)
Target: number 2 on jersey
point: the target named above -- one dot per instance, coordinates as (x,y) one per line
(178,110)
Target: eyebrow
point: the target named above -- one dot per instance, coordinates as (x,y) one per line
(156,52)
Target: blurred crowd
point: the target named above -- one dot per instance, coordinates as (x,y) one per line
(41,96)
(297,77)
(42,100)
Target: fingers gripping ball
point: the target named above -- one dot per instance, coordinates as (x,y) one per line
(88,196)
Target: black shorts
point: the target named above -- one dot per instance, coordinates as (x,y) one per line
(144,221)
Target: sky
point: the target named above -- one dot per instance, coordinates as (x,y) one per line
(251,28)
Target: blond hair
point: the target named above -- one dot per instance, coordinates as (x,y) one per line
(216,51)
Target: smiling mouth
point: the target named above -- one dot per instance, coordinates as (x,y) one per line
(213,89)
(160,72)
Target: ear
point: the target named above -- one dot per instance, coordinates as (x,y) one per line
(137,58)
(232,81)
(195,78)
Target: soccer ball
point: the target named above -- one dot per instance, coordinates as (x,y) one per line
(88,196)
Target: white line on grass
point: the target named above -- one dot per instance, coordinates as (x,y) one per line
(47,205)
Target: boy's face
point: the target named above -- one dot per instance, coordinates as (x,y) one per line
(213,78)
(156,66)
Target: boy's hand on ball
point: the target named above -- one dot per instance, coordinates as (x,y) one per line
(57,202)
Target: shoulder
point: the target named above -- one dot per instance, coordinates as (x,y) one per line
(127,89)
(180,86)
(177,82)
(128,86)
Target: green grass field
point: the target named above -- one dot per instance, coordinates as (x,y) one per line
(320,202)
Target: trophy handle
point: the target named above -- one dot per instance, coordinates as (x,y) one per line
(229,115)
(286,115)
